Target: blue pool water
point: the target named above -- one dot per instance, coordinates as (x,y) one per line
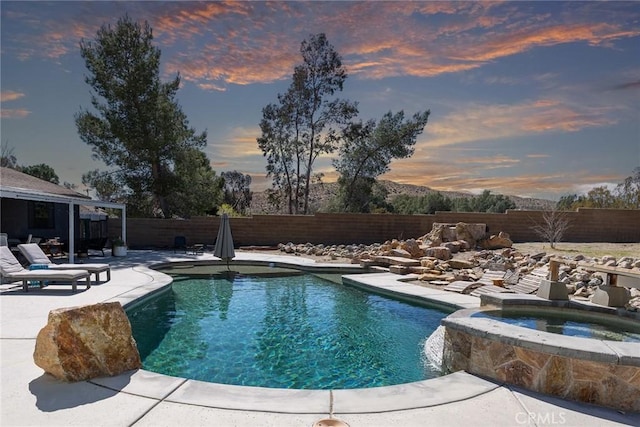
(298,332)
(570,323)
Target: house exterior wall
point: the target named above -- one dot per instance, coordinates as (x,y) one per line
(14,220)
(586,225)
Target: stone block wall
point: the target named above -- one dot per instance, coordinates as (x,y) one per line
(586,225)
(591,381)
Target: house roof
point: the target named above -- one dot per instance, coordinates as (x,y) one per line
(11,178)
(18,185)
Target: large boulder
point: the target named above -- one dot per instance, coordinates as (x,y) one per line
(87,342)
(471,233)
(440,232)
(500,241)
(413,247)
(463,232)
(439,252)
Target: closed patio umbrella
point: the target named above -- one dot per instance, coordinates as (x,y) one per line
(224,242)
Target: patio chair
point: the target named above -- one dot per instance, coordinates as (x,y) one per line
(35,255)
(11,269)
(179,244)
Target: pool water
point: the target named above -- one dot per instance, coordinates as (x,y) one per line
(570,323)
(300,332)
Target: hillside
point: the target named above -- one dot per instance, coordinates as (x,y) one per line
(321,194)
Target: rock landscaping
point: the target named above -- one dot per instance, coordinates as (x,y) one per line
(464,253)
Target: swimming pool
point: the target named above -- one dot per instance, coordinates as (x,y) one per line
(289,330)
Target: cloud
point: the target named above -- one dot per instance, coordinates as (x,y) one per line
(239,148)
(627,85)
(478,122)
(214,44)
(491,46)
(458,177)
(20,113)
(583,189)
(10,95)
(467,168)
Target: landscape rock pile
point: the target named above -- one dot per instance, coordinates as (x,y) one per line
(464,252)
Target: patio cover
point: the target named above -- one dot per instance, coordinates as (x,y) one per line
(41,196)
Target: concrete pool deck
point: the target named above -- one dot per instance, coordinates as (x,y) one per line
(142,398)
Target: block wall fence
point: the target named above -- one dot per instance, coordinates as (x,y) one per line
(585,225)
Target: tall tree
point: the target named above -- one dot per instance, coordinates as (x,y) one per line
(628,191)
(302,125)
(601,197)
(278,144)
(367,151)
(237,191)
(42,171)
(137,126)
(197,191)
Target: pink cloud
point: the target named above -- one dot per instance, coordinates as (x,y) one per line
(19,113)
(10,95)
(241,43)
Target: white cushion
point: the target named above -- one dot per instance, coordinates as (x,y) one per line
(8,263)
(49,274)
(34,254)
(89,267)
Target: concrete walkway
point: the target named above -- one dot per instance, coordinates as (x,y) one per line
(141,398)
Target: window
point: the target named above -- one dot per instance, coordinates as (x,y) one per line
(42,215)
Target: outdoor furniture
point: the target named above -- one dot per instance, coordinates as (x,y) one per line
(179,244)
(95,243)
(196,249)
(35,255)
(52,247)
(11,269)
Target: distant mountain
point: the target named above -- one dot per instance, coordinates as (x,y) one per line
(321,194)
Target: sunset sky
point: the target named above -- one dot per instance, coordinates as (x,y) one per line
(536,99)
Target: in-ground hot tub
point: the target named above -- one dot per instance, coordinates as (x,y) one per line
(592,370)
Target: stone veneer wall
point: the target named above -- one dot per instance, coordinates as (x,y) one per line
(591,381)
(586,225)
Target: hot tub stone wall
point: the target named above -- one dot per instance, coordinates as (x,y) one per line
(606,384)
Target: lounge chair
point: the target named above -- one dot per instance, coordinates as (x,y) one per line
(11,269)
(35,255)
